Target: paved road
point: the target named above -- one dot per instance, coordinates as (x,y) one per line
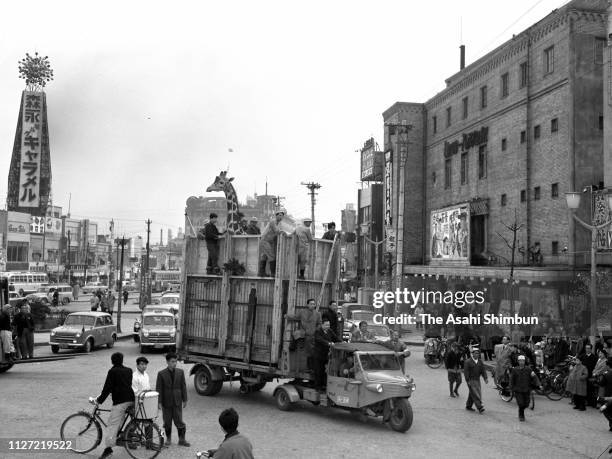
(45,393)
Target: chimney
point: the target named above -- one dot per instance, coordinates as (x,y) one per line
(161,237)
(462,57)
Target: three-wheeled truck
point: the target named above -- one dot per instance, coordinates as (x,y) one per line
(240,328)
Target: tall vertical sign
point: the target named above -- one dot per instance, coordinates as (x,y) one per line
(31,138)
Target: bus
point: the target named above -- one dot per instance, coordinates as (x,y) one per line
(161,279)
(25,282)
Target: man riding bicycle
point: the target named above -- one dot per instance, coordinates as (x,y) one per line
(118,384)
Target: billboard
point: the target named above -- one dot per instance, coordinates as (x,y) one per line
(37,225)
(18,227)
(371,162)
(450,233)
(53,225)
(388,188)
(31,140)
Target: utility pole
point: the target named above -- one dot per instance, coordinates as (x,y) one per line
(148,222)
(312,187)
(86,263)
(68,263)
(110,255)
(121,242)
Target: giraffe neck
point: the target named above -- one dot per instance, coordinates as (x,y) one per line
(232,221)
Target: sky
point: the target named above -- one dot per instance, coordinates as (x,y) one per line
(149,97)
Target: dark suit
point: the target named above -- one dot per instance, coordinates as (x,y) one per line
(589,362)
(172,394)
(472,372)
(322,341)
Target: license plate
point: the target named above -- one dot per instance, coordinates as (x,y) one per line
(158,346)
(63,346)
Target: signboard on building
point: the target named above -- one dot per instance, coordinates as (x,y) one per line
(601,214)
(53,225)
(388,188)
(450,233)
(371,162)
(18,227)
(31,140)
(390,243)
(37,225)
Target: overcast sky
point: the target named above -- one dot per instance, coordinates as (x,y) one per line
(149,96)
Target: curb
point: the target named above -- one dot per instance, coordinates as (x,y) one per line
(119,338)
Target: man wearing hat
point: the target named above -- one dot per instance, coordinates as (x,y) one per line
(304,235)
(252,227)
(211,235)
(267,244)
(521,380)
(473,369)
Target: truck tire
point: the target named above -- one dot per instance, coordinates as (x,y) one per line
(400,417)
(65,301)
(283,402)
(204,384)
(55,348)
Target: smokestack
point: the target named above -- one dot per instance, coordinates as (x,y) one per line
(461,57)
(161,237)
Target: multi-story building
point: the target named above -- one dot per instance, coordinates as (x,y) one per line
(490,160)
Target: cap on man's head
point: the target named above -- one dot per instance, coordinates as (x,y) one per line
(253,219)
(213,215)
(475,350)
(521,357)
(307,219)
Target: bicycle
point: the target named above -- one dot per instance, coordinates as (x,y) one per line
(140,437)
(435,351)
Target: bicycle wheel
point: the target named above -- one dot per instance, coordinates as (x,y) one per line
(551,389)
(83,431)
(506,395)
(143,439)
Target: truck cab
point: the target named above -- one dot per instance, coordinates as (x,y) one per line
(365,377)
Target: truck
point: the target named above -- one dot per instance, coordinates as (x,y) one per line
(242,328)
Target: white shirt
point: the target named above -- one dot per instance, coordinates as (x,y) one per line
(140,382)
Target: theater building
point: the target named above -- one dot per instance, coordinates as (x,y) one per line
(484,165)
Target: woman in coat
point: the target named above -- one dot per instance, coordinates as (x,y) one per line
(577,384)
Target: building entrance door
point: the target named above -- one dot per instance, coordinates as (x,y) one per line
(478,241)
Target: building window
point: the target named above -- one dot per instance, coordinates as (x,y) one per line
(523,136)
(448,171)
(536,132)
(465,108)
(554,190)
(523,195)
(504,200)
(448,117)
(482,161)
(504,85)
(554,125)
(504,144)
(464,168)
(601,122)
(523,75)
(555,247)
(536,193)
(435,124)
(549,60)
(483,97)
(600,44)
(17,251)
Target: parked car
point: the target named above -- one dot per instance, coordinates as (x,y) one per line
(170,298)
(93,287)
(157,331)
(65,293)
(84,330)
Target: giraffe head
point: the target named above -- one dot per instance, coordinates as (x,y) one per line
(221,182)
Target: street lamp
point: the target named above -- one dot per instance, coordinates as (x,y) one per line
(573,202)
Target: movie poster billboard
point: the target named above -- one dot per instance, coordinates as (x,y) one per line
(450,233)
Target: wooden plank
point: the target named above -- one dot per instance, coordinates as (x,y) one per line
(225,298)
(327,269)
(293,261)
(277,314)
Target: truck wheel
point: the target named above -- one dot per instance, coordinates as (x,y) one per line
(55,348)
(112,342)
(400,418)
(203,383)
(65,301)
(283,401)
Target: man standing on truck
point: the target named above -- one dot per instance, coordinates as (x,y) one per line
(310,320)
(267,244)
(211,235)
(323,339)
(304,235)
(252,227)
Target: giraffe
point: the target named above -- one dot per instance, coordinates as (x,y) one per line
(222,183)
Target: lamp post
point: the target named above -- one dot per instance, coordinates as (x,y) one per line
(573,202)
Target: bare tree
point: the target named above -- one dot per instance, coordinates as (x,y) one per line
(514,228)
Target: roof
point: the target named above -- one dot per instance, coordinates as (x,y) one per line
(89,313)
(360,347)
(158,313)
